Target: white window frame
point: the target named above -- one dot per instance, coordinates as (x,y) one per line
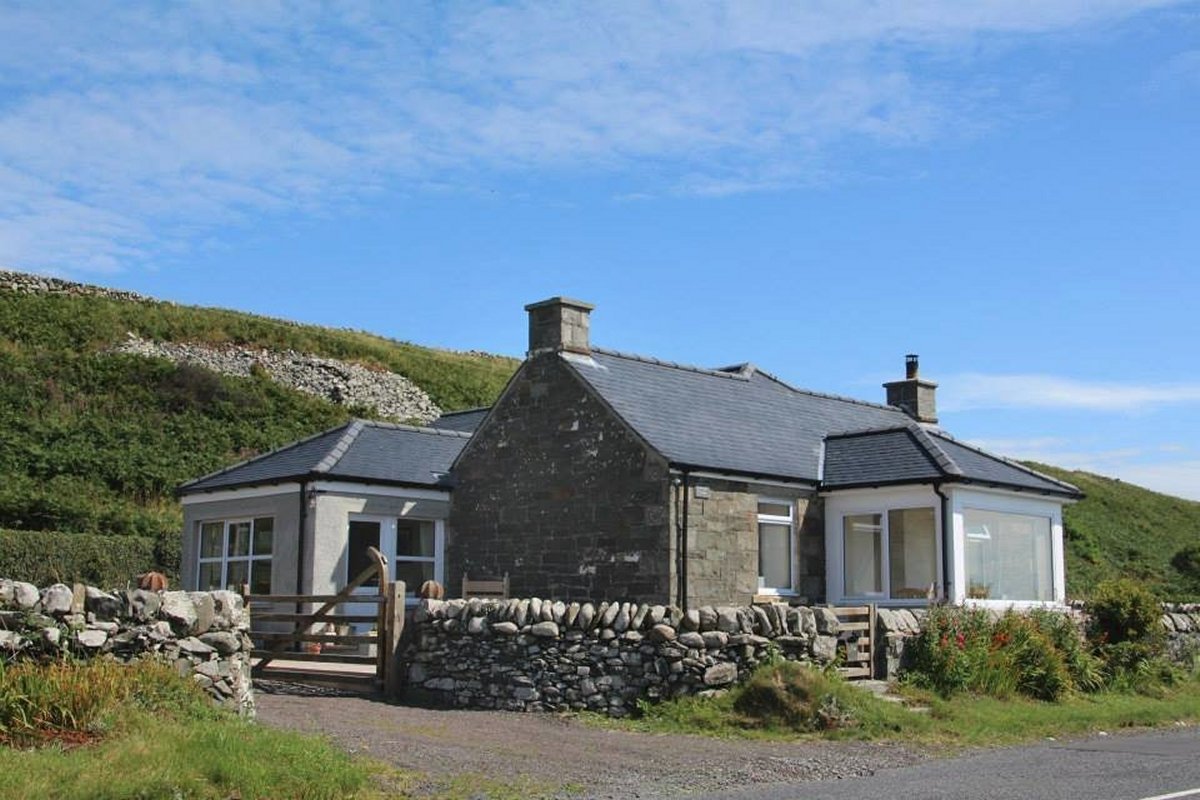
(852,502)
(225,558)
(387,546)
(777,519)
(885,549)
(988,535)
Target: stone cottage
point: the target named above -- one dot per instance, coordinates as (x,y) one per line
(603,475)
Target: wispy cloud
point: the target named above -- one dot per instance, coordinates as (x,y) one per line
(971,391)
(126,129)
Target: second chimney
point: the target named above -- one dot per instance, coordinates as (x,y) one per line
(912,395)
(558,324)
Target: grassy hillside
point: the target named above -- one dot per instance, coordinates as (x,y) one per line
(1122,530)
(94,443)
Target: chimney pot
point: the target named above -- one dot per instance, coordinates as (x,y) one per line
(911,366)
(559,324)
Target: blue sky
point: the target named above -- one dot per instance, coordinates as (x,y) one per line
(1010,189)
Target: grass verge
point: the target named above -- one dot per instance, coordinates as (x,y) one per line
(789,701)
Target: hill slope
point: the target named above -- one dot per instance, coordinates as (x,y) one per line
(94,442)
(1123,530)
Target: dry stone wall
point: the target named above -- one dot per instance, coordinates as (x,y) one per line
(25,283)
(542,655)
(203,634)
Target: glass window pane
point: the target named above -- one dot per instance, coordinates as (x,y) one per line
(260,576)
(862,535)
(414,538)
(235,575)
(912,552)
(413,573)
(775,509)
(774,555)
(210,577)
(264,530)
(1013,562)
(212,539)
(239,538)
(363,534)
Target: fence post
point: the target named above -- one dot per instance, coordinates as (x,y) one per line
(390,645)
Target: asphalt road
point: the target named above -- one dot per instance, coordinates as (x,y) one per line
(1161,765)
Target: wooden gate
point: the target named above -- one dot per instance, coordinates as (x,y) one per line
(856,626)
(318,636)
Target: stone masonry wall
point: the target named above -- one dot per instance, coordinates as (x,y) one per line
(538,655)
(723,541)
(203,634)
(556,492)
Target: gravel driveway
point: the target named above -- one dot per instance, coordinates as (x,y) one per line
(561,756)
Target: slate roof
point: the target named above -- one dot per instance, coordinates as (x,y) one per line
(467,420)
(360,451)
(741,420)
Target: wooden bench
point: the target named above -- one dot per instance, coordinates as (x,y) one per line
(493,589)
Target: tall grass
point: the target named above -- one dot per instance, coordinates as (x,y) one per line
(108,730)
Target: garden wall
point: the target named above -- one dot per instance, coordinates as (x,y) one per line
(533,655)
(204,634)
(541,655)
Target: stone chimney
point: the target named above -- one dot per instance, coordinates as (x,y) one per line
(912,395)
(558,324)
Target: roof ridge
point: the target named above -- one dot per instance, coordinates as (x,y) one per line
(716,373)
(827,395)
(1011,462)
(846,434)
(465,411)
(746,375)
(245,461)
(338,450)
(400,426)
(943,460)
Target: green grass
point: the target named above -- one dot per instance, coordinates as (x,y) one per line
(767,708)
(95,443)
(1123,530)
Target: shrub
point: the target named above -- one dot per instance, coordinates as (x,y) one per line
(1039,655)
(1128,637)
(1124,610)
(1187,562)
(42,558)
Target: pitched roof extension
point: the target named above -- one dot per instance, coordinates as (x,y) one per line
(741,420)
(467,420)
(359,451)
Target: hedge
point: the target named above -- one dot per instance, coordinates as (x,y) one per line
(42,558)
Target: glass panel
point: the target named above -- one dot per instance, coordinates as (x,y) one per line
(774,555)
(239,538)
(413,573)
(414,538)
(862,535)
(775,509)
(212,539)
(260,576)
(363,534)
(1013,560)
(264,530)
(210,577)
(235,576)
(912,552)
